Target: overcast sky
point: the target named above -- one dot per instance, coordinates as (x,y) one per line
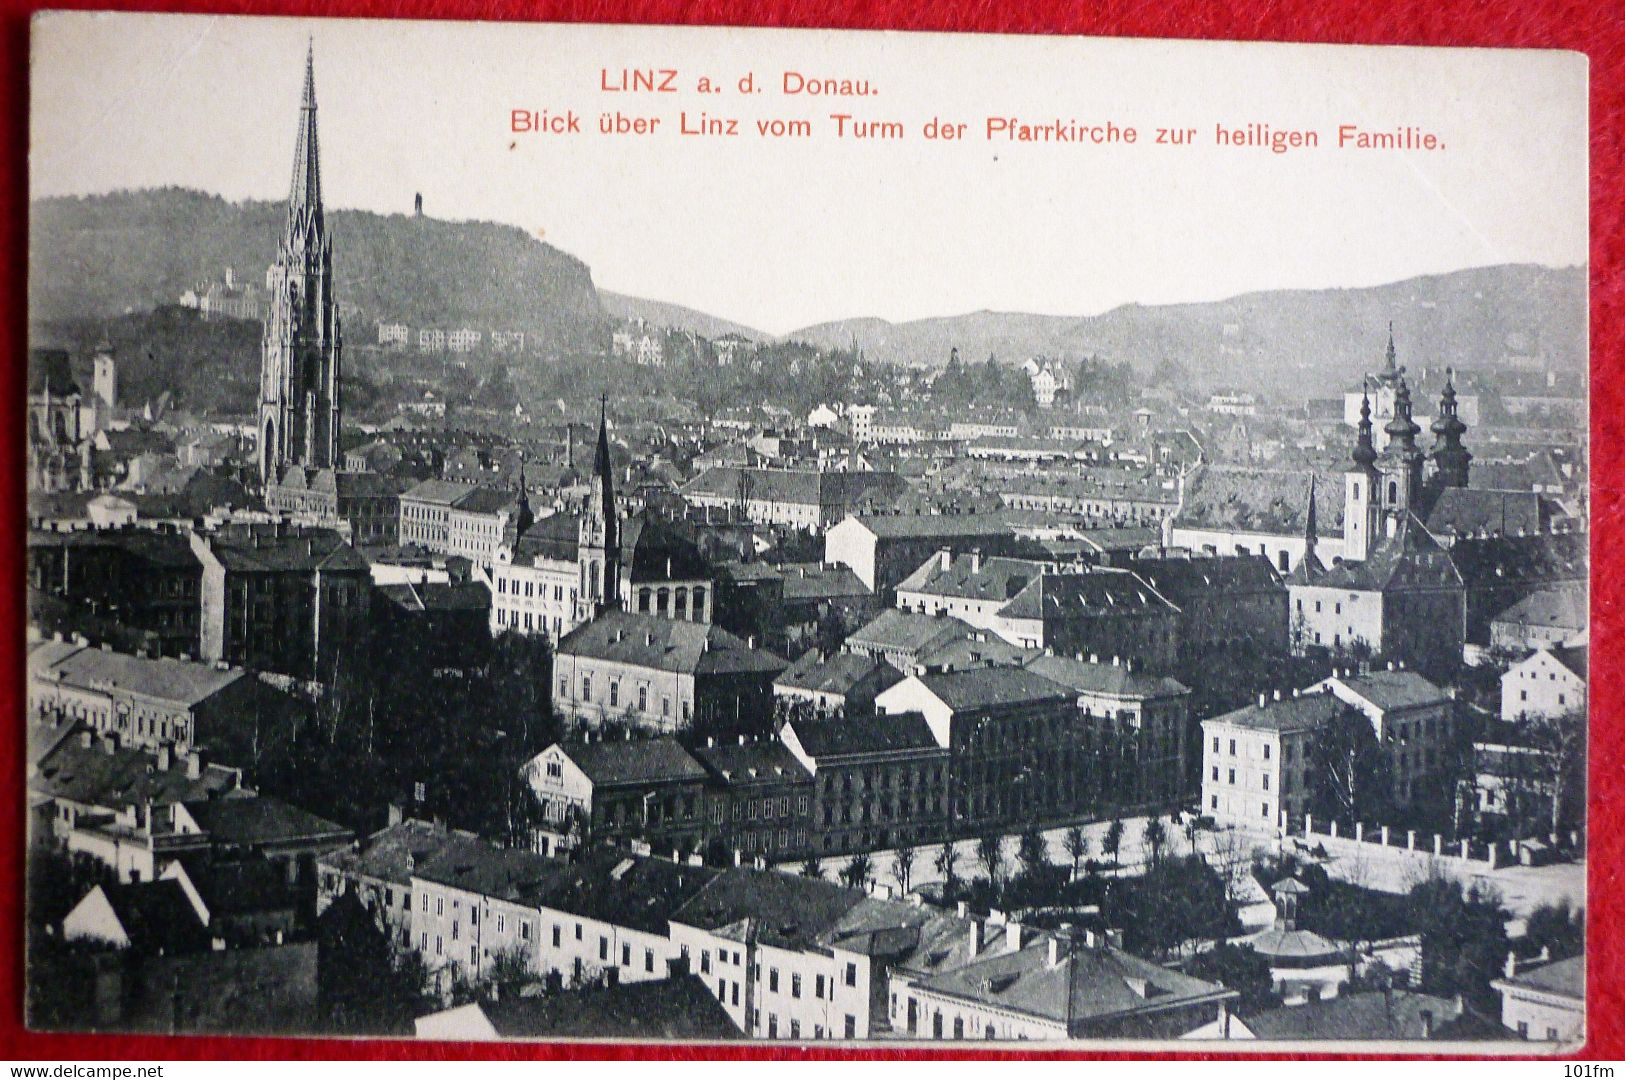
(780,235)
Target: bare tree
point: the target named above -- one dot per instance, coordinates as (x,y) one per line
(902,867)
(990,853)
(1076,842)
(858,872)
(947,857)
(1154,837)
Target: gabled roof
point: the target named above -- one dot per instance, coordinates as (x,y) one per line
(97,776)
(1574,657)
(261,548)
(1486,562)
(157,916)
(936,526)
(820,581)
(661,759)
(649,641)
(469,863)
(1408,559)
(750,762)
(1397,689)
(1180,578)
(1565,977)
(1078,595)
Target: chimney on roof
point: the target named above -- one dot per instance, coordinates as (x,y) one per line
(163,759)
(194,765)
(962,909)
(1094,658)
(1114,939)
(109,744)
(1510,968)
(1390,665)
(738,857)
(1263,700)
(85,739)
(1294,691)
(1117,661)
(741,740)
(1057,950)
(1277,694)
(1012,936)
(1427,1023)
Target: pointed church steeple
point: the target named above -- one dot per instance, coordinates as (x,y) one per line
(305,189)
(1365,452)
(599,545)
(1390,368)
(523,518)
(301,348)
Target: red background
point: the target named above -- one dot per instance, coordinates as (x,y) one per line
(1596,28)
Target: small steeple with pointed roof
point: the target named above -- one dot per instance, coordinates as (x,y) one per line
(305,189)
(1450,458)
(1365,452)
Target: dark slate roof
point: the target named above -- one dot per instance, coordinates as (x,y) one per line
(1115,680)
(260,548)
(1090,985)
(680,1008)
(649,641)
(750,762)
(1486,562)
(261,820)
(938,526)
(157,916)
(439,492)
(1353,1016)
(1302,713)
(634,761)
(1574,657)
(1471,511)
(1247,499)
(438,596)
(838,673)
(95,777)
(983,650)
(994,687)
(1180,578)
(1563,607)
(241,886)
(628,890)
(466,862)
(880,734)
(1099,592)
(789,911)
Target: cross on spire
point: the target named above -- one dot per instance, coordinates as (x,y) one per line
(305,189)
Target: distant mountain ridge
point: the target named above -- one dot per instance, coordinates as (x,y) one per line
(1317,338)
(104,255)
(676,317)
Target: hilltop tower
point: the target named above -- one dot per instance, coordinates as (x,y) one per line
(300,351)
(599,538)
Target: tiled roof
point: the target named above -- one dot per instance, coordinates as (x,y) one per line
(661,759)
(750,761)
(1502,560)
(1574,657)
(937,526)
(979,651)
(817,581)
(157,916)
(880,734)
(1408,559)
(179,682)
(258,548)
(441,492)
(469,863)
(1471,511)
(805,487)
(1242,498)
(649,641)
(1181,578)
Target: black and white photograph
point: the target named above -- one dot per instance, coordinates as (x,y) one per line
(712,535)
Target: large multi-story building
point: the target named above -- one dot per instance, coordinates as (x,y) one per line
(136,588)
(799,498)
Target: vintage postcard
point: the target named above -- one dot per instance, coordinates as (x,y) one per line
(648,533)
